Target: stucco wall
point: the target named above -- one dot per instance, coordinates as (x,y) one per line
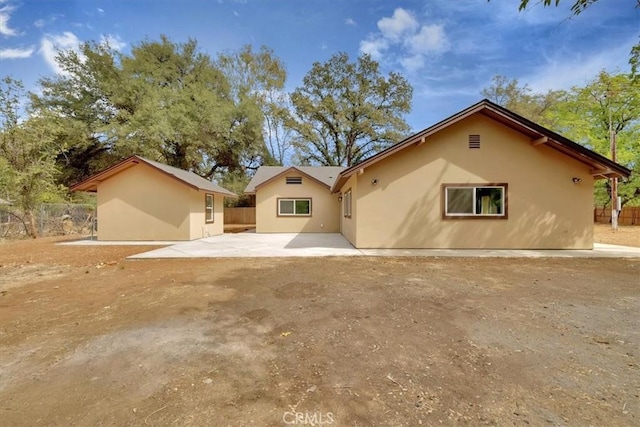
(198,226)
(324,207)
(142,203)
(349,225)
(546,209)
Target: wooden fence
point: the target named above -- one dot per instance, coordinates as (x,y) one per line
(239,215)
(628,215)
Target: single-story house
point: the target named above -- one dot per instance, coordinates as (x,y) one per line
(296,199)
(482,178)
(139,199)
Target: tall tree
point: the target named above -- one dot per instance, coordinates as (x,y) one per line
(608,103)
(27,154)
(257,81)
(522,100)
(346,112)
(165,100)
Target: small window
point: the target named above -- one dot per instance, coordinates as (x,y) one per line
(474,141)
(346,204)
(475,201)
(208,208)
(294,207)
(294,180)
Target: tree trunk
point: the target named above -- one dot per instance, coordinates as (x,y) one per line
(32,227)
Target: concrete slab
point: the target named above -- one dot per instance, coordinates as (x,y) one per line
(334,244)
(258,245)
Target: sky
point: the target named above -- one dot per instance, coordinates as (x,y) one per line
(448,50)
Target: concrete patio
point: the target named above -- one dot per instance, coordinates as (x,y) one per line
(334,244)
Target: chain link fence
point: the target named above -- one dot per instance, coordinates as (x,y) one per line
(52,219)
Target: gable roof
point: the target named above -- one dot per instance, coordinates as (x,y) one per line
(323,175)
(188,178)
(600,165)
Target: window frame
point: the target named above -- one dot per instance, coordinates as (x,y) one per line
(347,203)
(474,186)
(209,217)
(294,214)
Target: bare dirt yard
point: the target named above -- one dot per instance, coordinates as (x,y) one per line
(89,338)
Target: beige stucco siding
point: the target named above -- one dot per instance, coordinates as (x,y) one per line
(348,226)
(545,208)
(324,207)
(134,205)
(198,226)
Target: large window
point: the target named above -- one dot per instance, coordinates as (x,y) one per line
(346,201)
(208,208)
(475,201)
(294,207)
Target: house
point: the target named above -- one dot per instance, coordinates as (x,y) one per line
(139,199)
(296,199)
(482,178)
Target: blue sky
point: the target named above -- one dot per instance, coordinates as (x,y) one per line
(447,49)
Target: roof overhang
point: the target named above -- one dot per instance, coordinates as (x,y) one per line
(91,184)
(600,166)
(286,172)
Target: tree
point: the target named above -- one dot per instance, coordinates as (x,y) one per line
(521,99)
(580,6)
(27,154)
(346,112)
(257,80)
(607,103)
(164,100)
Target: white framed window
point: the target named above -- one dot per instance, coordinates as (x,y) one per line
(208,208)
(294,207)
(466,201)
(346,203)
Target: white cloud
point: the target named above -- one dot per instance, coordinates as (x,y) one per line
(374,47)
(5,16)
(39,23)
(566,70)
(402,22)
(50,44)
(113,41)
(405,40)
(100,10)
(430,38)
(16,53)
(413,63)
(350,21)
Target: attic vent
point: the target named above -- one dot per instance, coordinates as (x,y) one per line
(474,141)
(294,180)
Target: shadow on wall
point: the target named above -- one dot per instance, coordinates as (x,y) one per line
(526,228)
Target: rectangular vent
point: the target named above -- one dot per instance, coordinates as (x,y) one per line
(294,180)
(474,141)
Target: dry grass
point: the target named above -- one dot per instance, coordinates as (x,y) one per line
(627,235)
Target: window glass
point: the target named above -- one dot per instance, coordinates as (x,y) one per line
(489,201)
(460,200)
(303,207)
(286,207)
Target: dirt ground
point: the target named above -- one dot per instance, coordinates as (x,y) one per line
(88,338)
(625,235)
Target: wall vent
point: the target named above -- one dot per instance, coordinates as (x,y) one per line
(474,141)
(294,180)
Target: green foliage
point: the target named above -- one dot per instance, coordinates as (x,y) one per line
(165,100)
(521,100)
(586,115)
(346,112)
(27,153)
